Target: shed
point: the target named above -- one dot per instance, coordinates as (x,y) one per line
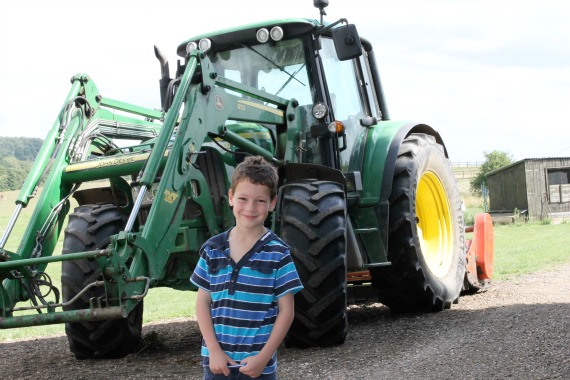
(538,186)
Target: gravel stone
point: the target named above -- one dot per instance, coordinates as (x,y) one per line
(518,328)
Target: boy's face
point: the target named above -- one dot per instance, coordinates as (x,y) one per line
(251,204)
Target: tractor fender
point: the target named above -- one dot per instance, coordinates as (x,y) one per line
(379,163)
(298,171)
(382,147)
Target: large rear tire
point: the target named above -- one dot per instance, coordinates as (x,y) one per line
(89,228)
(426,243)
(313,223)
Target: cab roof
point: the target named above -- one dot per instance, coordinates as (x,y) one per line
(235,36)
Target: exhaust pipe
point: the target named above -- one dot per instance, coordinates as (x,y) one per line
(164,76)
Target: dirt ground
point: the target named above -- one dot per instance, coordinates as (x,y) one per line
(517,329)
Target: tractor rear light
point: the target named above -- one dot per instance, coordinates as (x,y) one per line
(276,33)
(192,46)
(320,110)
(262,35)
(205,44)
(336,127)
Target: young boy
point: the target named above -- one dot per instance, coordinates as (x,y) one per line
(246,280)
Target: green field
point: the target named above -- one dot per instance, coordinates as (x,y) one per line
(520,248)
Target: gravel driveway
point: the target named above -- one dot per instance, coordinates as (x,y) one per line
(518,329)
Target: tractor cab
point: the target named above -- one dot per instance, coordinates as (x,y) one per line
(322,68)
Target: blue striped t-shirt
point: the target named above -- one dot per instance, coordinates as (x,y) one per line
(244,294)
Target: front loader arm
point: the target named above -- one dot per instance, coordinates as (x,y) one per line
(207,107)
(21,269)
(48,217)
(55,140)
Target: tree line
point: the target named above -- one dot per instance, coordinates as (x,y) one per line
(17,155)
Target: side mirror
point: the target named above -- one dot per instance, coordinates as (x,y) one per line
(346,42)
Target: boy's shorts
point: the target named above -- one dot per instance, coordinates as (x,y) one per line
(235,374)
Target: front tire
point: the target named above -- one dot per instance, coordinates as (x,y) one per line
(89,228)
(426,243)
(313,223)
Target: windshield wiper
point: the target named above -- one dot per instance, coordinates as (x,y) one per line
(275,64)
(291,77)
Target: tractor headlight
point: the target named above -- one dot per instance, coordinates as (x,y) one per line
(320,110)
(262,35)
(192,46)
(205,44)
(276,33)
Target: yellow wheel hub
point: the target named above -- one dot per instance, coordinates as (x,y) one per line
(435,224)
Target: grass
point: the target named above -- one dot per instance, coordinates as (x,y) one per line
(519,249)
(530,247)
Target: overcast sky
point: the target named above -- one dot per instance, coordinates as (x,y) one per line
(488,75)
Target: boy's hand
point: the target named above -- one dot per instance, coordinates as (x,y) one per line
(219,363)
(253,366)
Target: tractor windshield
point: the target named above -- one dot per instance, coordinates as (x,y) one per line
(278,69)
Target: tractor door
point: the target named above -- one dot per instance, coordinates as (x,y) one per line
(352,100)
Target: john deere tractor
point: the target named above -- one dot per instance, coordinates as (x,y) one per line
(369,205)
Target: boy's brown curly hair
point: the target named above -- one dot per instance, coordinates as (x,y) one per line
(258,171)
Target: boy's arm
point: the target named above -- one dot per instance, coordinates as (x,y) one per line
(218,358)
(256,364)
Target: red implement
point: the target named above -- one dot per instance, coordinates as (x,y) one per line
(480,253)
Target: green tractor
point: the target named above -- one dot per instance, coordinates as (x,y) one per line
(369,206)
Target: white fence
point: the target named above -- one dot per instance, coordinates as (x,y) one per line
(466,164)
(465,170)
